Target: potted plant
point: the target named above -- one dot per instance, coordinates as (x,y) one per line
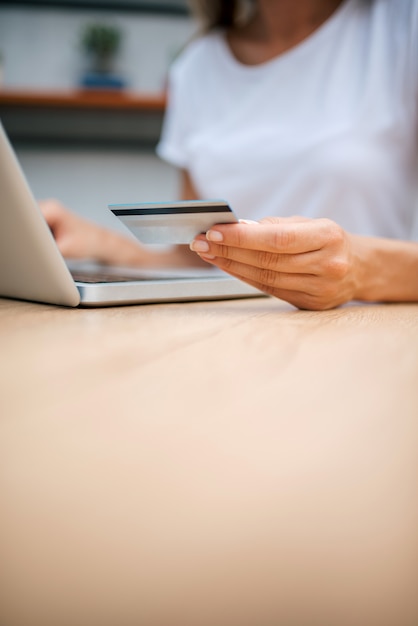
(101,43)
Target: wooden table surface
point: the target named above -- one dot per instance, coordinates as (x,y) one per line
(220,463)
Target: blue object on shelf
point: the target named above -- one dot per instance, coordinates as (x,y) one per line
(103,81)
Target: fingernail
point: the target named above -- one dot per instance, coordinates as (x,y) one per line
(247,222)
(199,246)
(214,235)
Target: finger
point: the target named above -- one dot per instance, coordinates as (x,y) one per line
(47,211)
(299,299)
(269,279)
(305,263)
(67,247)
(288,237)
(52,211)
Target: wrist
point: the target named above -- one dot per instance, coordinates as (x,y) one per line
(386,270)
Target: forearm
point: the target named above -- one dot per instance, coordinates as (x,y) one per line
(387,269)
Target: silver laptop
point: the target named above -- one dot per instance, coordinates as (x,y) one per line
(32,268)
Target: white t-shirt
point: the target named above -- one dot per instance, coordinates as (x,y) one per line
(327,129)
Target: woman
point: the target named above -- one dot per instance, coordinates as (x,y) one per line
(306,109)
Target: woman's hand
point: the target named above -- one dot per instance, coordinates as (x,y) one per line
(311,263)
(77,238)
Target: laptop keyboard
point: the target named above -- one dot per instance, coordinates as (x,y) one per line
(102,277)
(97,275)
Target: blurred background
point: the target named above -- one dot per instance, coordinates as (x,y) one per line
(82,97)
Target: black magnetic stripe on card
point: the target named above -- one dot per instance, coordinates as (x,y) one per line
(172,210)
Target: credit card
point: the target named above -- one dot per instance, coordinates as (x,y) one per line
(173,222)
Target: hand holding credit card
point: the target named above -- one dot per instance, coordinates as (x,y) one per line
(173,222)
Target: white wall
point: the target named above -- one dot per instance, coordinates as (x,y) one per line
(40,47)
(41,50)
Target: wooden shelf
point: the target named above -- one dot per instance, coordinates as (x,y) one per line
(83,99)
(82,117)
